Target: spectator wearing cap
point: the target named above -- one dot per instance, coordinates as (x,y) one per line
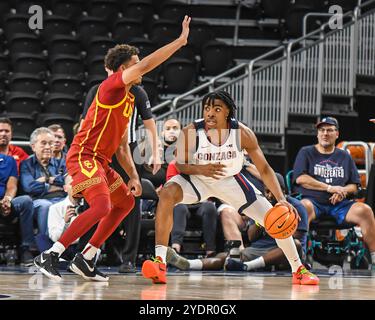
(326,176)
(6,134)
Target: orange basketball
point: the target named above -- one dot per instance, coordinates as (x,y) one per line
(280,223)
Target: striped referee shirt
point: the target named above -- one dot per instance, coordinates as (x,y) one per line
(142,107)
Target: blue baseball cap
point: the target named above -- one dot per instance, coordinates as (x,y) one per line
(328,120)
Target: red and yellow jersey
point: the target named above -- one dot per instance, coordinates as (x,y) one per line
(104,125)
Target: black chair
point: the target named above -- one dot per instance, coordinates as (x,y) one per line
(63,44)
(23,125)
(142,9)
(105,9)
(91,26)
(4,66)
(179,75)
(144,45)
(29,63)
(59,103)
(96,66)
(4,9)
(23,102)
(24,42)
(173,10)
(200,33)
(216,58)
(16,23)
(98,46)
(70,85)
(71,9)
(186,52)
(26,82)
(163,30)
(125,29)
(67,122)
(151,88)
(53,25)
(67,64)
(93,79)
(24,5)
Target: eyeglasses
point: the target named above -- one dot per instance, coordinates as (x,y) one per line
(330,130)
(59,137)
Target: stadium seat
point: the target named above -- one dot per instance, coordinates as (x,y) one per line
(63,44)
(16,23)
(24,42)
(163,30)
(53,25)
(105,9)
(173,10)
(186,71)
(22,102)
(23,125)
(98,46)
(24,5)
(71,9)
(151,88)
(93,79)
(275,9)
(67,122)
(125,29)
(70,85)
(26,82)
(91,26)
(4,9)
(4,66)
(59,103)
(67,64)
(216,58)
(200,33)
(96,66)
(29,63)
(144,45)
(186,52)
(140,9)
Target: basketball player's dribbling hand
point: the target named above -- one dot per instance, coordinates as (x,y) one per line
(185,30)
(291,208)
(213,170)
(134,187)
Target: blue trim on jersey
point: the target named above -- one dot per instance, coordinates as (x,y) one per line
(247,189)
(187,178)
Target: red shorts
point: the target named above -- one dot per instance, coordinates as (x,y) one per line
(88,172)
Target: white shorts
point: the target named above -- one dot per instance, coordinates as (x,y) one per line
(236,191)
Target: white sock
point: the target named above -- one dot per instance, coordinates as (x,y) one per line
(89,252)
(161,251)
(57,247)
(195,264)
(289,248)
(255,264)
(373,257)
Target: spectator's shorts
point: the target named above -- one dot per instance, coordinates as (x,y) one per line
(88,172)
(337,211)
(251,253)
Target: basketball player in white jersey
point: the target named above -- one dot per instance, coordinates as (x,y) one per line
(210,160)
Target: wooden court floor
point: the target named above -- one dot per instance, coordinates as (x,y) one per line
(25,284)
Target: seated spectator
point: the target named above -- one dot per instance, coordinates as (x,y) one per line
(326,176)
(59,147)
(61,215)
(12,206)
(205,211)
(262,252)
(6,131)
(42,176)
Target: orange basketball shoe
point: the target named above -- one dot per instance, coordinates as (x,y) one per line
(155,270)
(303,276)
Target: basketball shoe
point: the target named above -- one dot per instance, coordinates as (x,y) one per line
(48,263)
(305,277)
(155,270)
(234,265)
(86,268)
(176,260)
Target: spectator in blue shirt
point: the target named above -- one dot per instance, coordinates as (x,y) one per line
(42,176)
(326,176)
(20,207)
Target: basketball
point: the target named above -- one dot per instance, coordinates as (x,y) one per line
(280,223)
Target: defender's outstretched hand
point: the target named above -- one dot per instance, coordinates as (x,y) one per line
(185,30)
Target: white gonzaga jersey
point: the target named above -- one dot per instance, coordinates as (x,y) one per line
(229,154)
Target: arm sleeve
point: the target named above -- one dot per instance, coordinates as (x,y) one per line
(143,104)
(29,185)
(300,165)
(89,99)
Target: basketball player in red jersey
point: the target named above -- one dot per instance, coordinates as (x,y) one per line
(210,161)
(104,132)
